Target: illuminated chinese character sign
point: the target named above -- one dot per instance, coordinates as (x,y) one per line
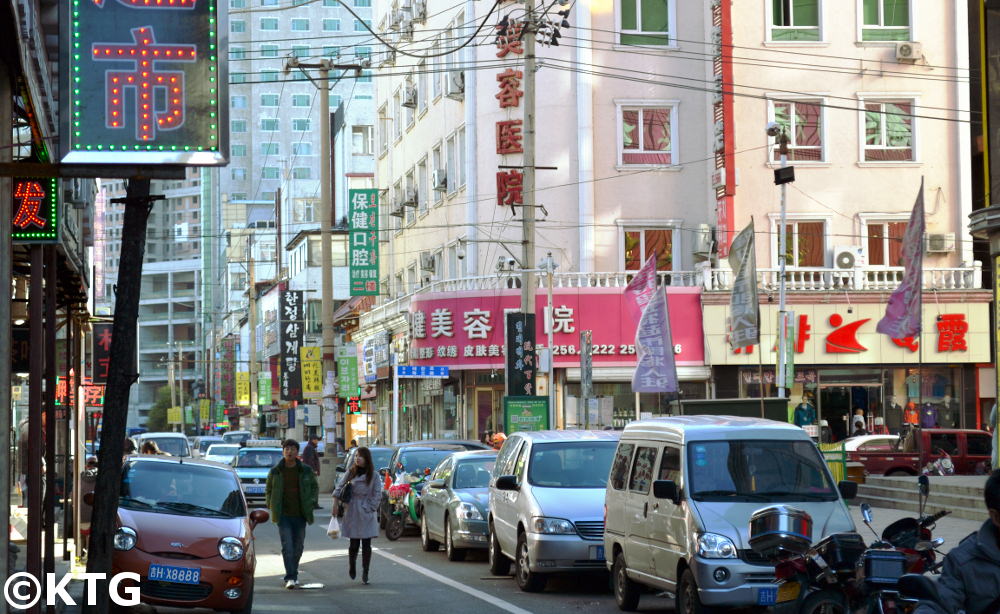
(35,212)
(101,351)
(363,233)
(148,82)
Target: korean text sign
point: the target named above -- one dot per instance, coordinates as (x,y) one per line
(147,82)
(363,235)
(290,341)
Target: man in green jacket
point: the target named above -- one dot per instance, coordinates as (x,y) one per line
(291,495)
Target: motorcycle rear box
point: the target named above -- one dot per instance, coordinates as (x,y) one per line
(841,551)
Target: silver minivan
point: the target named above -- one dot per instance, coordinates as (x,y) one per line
(547,504)
(679,499)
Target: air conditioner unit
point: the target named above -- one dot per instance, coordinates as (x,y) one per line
(396,19)
(406,30)
(410,97)
(419,11)
(427,261)
(702,241)
(439,180)
(389,59)
(397,211)
(941,242)
(454,85)
(848,257)
(909,52)
(410,200)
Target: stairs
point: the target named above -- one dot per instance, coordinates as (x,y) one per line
(962,494)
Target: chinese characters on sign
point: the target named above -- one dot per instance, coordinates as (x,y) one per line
(656,370)
(363,248)
(521,360)
(36,210)
(226,378)
(312,372)
(510,183)
(347,370)
(242,388)
(101,351)
(290,340)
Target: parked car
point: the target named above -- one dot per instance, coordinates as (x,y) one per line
(546,504)
(237,436)
(174,444)
(870,442)
(681,491)
(455,504)
(221,453)
(252,465)
(914,448)
(183,527)
(380,459)
(201,443)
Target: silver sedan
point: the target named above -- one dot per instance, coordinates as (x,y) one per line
(455,504)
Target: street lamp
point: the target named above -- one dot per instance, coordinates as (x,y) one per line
(782,176)
(549,266)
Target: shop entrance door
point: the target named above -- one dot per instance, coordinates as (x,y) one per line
(486,411)
(838,403)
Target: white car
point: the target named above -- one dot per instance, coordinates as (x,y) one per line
(872,443)
(221,452)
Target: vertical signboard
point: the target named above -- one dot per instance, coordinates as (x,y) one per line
(102,351)
(264,388)
(242,388)
(312,372)
(35,213)
(363,235)
(347,370)
(146,82)
(226,378)
(204,410)
(521,360)
(290,340)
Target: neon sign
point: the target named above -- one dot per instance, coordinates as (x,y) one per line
(36,210)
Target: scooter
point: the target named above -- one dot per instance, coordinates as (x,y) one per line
(914,536)
(940,466)
(403,503)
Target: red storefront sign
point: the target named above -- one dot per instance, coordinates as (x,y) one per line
(465,329)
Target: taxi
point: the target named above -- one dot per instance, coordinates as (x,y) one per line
(252,464)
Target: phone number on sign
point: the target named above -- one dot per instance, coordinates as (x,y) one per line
(601,349)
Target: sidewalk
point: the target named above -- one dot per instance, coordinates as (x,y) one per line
(953,530)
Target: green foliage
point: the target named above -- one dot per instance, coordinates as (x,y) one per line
(157,418)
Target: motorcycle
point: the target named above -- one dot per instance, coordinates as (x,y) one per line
(403,504)
(939,466)
(914,536)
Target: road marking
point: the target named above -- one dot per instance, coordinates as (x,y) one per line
(468,590)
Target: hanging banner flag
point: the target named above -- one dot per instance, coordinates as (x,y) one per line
(655,370)
(363,236)
(639,291)
(264,388)
(290,334)
(312,372)
(242,388)
(902,314)
(744,312)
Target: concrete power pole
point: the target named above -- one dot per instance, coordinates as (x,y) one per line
(252,321)
(528,209)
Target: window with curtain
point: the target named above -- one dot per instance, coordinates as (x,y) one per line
(795,20)
(645,22)
(889,130)
(646,136)
(802,121)
(885,243)
(885,20)
(806,244)
(640,244)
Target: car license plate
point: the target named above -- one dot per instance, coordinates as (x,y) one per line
(789,591)
(597,553)
(255,490)
(179,575)
(767,595)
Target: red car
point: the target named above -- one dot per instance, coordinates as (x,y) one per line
(183,527)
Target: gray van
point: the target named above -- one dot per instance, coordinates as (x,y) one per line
(547,504)
(679,499)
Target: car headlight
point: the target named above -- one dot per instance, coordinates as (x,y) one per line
(552,526)
(230,549)
(125,538)
(715,546)
(468,511)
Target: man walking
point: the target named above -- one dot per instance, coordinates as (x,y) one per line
(310,456)
(291,495)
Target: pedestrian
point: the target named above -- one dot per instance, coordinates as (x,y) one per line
(291,494)
(149,447)
(359,494)
(354,444)
(805,413)
(310,456)
(129,446)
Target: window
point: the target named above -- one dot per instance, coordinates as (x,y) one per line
(397,116)
(237,77)
(237,174)
(237,53)
(268,149)
(802,121)
(362,3)
(268,100)
(269,172)
(646,135)
(795,20)
(437,76)
(334,101)
(383,132)
(885,243)
(461,156)
(646,22)
(363,52)
(301,172)
(642,470)
(301,100)
(300,25)
(422,86)
(268,76)
(979,445)
(269,124)
(670,465)
(806,244)
(943,441)
(300,51)
(361,140)
(619,467)
(268,51)
(331,25)
(451,164)
(237,4)
(885,20)
(302,149)
(330,3)
(238,102)
(300,124)
(436,166)
(238,151)
(237,26)
(410,190)
(888,131)
(422,185)
(236,196)
(640,244)
(269,2)
(268,23)
(360,27)
(238,125)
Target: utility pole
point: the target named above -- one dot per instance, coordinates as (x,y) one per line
(252,320)
(180,389)
(528,209)
(171,380)
(782,176)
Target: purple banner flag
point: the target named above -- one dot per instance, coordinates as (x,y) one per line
(639,291)
(902,314)
(655,370)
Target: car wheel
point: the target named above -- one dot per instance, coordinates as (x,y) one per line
(454,554)
(394,527)
(626,591)
(428,544)
(527,580)
(248,606)
(499,564)
(688,600)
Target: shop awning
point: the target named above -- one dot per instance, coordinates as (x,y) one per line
(354,306)
(685,373)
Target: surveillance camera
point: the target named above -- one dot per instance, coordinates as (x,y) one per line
(460,253)
(510,261)
(773,129)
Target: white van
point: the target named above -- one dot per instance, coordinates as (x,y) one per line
(174,444)
(679,499)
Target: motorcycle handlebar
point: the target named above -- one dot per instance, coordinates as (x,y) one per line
(929,520)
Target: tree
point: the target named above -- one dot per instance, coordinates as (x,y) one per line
(157,418)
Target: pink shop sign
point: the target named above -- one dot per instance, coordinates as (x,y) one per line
(465,329)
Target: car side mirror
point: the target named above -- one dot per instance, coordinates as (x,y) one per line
(88,498)
(507,482)
(667,489)
(259,517)
(848,490)
(343,468)
(435,484)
